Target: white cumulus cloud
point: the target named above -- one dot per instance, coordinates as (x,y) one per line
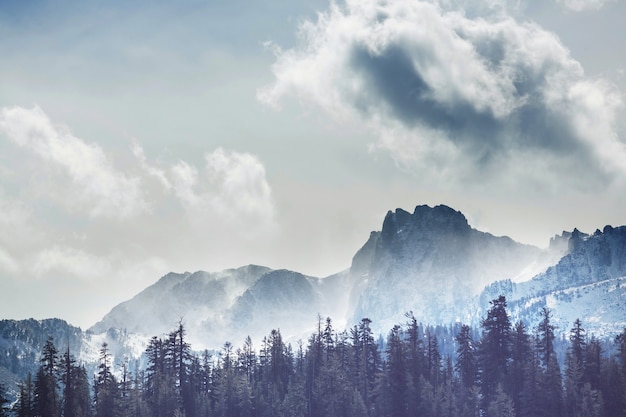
(443,87)
(98,186)
(232,185)
(242,182)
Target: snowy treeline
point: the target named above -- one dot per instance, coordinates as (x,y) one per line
(507,370)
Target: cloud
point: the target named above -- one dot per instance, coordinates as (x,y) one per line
(151,170)
(65,260)
(99,187)
(109,222)
(232,185)
(8,263)
(583,5)
(441,87)
(242,182)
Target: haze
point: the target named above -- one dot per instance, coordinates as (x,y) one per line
(138,138)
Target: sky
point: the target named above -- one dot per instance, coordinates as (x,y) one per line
(138,138)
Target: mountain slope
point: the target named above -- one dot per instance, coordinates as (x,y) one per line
(588,283)
(194,298)
(431,262)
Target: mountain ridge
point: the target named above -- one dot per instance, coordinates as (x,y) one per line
(430,262)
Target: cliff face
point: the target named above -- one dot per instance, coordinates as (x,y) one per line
(433,263)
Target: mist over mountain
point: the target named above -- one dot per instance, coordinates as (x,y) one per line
(430,262)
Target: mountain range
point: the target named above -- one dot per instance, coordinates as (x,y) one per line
(430,262)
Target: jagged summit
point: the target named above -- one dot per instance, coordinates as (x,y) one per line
(429,262)
(439,219)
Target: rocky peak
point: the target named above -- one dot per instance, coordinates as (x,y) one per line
(560,241)
(425,221)
(576,239)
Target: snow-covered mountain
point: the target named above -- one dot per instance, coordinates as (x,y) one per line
(589,283)
(230,305)
(22,341)
(195,298)
(430,262)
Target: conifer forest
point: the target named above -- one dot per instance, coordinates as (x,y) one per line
(501,369)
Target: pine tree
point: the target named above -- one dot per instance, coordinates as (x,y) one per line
(365,361)
(495,348)
(25,405)
(620,340)
(295,403)
(47,401)
(82,394)
(415,364)
(449,390)
(501,405)
(4,401)
(397,377)
(573,384)
(578,342)
(328,339)
(593,363)
(521,355)
(313,360)
(466,364)
(552,384)
(612,388)
(178,358)
(225,381)
(574,369)
(280,365)
(67,375)
(545,329)
(590,403)
(247,360)
(105,387)
(76,400)
(433,359)
(532,390)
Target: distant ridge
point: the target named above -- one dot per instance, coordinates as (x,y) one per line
(430,262)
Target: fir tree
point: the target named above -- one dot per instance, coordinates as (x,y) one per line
(4,401)
(495,348)
(25,405)
(620,340)
(47,401)
(593,363)
(415,363)
(105,387)
(466,364)
(501,405)
(521,354)
(574,369)
(612,388)
(396,370)
(552,392)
